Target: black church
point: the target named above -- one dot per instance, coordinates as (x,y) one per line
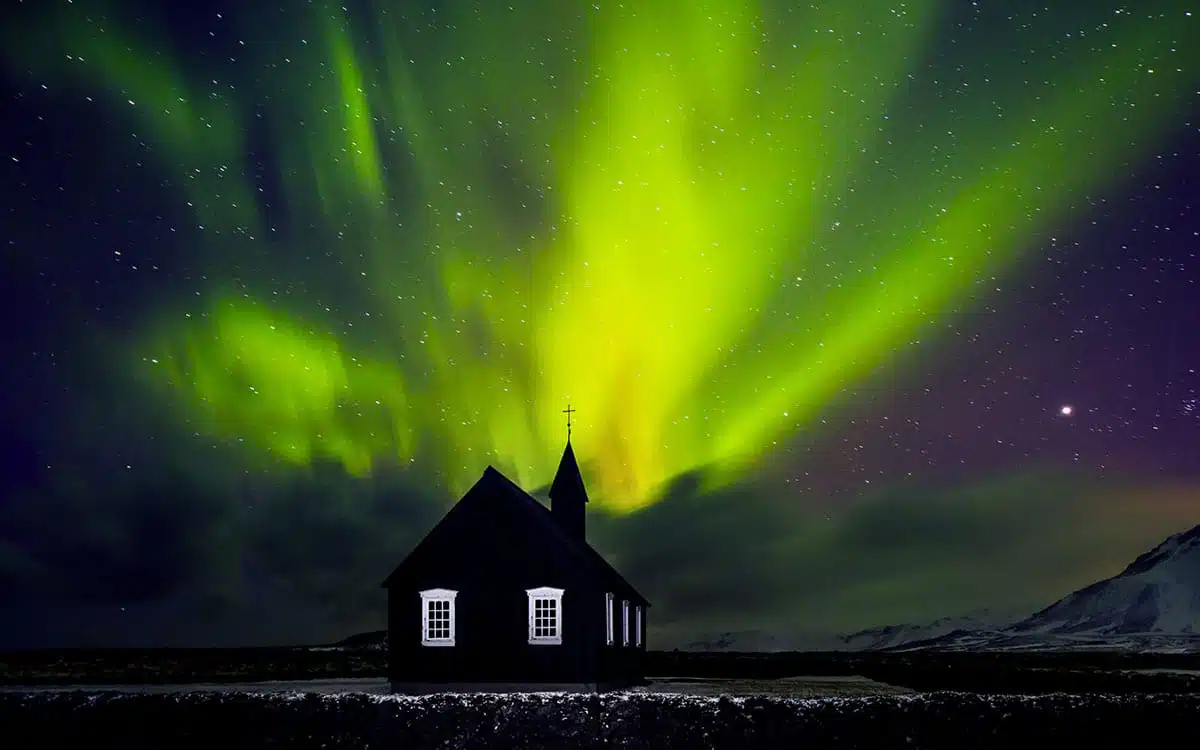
(505,594)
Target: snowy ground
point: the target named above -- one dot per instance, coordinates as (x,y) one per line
(233,720)
(793,687)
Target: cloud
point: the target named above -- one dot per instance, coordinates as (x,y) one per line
(201,557)
(118,542)
(754,557)
(192,551)
(332,538)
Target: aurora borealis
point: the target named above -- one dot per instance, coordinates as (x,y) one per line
(814,276)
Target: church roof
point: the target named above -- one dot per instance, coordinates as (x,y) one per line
(588,554)
(539,515)
(568,480)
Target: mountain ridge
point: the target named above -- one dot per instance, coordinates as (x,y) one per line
(1152,605)
(1157,593)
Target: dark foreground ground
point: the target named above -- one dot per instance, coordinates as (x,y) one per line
(231,721)
(1028,674)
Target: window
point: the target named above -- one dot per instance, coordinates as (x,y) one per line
(609,625)
(624,622)
(637,625)
(437,617)
(545,615)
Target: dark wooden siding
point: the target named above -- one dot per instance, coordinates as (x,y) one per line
(618,661)
(491,557)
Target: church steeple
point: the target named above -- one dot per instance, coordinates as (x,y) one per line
(568,496)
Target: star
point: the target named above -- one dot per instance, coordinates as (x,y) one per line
(1066,410)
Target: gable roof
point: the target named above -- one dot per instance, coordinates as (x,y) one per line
(538,515)
(587,552)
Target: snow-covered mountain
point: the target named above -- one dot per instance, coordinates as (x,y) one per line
(1158,593)
(1152,605)
(895,636)
(870,639)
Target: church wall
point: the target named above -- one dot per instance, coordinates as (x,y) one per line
(618,662)
(491,557)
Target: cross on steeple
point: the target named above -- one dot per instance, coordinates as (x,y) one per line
(568,496)
(568,411)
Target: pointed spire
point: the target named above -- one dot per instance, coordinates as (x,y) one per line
(568,480)
(568,496)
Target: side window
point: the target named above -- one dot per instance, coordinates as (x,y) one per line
(624,622)
(637,625)
(437,617)
(609,620)
(545,616)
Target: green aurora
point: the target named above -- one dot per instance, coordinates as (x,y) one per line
(699,223)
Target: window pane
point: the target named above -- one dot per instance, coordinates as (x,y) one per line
(545,618)
(437,620)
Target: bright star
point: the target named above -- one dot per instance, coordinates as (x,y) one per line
(1066,410)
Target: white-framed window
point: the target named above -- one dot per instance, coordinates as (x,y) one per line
(437,617)
(545,615)
(609,621)
(624,622)
(637,625)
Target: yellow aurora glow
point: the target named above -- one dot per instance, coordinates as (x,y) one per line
(731,232)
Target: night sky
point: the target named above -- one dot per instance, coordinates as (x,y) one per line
(872,312)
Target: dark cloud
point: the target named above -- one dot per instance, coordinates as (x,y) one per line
(111,543)
(185,549)
(333,539)
(697,553)
(749,557)
(187,558)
